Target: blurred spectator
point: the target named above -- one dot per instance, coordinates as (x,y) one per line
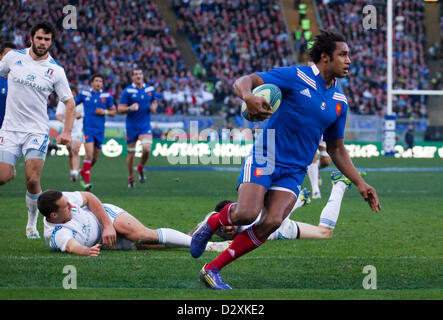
(366,86)
(408,137)
(112,37)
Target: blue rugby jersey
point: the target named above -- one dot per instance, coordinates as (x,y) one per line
(308,110)
(144,97)
(92,100)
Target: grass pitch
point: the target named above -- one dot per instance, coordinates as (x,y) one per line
(403,242)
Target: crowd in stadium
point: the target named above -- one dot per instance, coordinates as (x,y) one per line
(111,42)
(231,39)
(366,86)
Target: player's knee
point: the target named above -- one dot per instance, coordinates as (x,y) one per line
(5,179)
(271,224)
(243,215)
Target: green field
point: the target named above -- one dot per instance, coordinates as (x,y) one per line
(403,242)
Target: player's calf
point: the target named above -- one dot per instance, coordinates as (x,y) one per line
(7,173)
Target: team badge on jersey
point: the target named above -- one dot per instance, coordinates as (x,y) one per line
(2,140)
(323,106)
(258,172)
(338,108)
(49,73)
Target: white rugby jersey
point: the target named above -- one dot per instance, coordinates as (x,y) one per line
(84,226)
(77,127)
(30,83)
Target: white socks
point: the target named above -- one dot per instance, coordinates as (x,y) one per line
(287,230)
(173,238)
(330,212)
(297,205)
(313,177)
(31,205)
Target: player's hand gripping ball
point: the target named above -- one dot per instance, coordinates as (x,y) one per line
(271,93)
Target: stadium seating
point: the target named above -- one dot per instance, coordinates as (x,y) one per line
(234,38)
(111,37)
(366,86)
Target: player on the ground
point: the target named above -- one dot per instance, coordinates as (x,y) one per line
(5,47)
(138,101)
(77,137)
(273,172)
(97,104)
(321,160)
(79,223)
(290,229)
(32,76)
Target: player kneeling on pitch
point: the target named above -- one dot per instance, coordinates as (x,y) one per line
(78,223)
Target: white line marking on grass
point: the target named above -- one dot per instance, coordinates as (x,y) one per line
(243,258)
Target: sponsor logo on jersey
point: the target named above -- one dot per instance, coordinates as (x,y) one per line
(18,63)
(35,141)
(2,140)
(31,84)
(30,77)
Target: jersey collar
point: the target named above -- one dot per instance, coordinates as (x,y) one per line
(316,72)
(133,84)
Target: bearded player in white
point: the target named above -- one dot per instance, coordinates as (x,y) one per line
(32,76)
(78,223)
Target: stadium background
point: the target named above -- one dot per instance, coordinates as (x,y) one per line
(192,51)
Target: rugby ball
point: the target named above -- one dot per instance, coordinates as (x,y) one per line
(270,92)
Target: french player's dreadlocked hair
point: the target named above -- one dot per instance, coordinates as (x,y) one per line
(324,42)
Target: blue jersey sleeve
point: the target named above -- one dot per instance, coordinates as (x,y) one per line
(79,99)
(154,96)
(283,77)
(337,129)
(109,102)
(124,98)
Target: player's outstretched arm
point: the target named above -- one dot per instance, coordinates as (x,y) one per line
(339,155)
(72,246)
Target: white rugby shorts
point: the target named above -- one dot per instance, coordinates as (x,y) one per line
(14,144)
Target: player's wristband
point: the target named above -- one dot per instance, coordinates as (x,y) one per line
(106,112)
